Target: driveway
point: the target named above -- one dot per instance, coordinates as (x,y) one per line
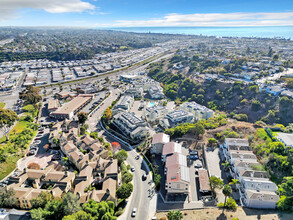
(213,165)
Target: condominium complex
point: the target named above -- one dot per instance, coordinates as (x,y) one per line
(124,104)
(199,111)
(175,118)
(131,125)
(256,190)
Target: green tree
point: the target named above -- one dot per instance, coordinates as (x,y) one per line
(31,95)
(38,214)
(230,204)
(216,182)
(101,210)
(7,198)
(70,204)
(171,215)
(178,215)
(42,199)
(198,129)
(234,182)
(127,177)
(82,117)
(227,165)
(285,203)
(7,119)
(212,141)
(286,188)
(121,156)
(124,191)
(54,209)
(80,215)
(227,191)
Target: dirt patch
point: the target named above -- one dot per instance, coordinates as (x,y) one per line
(241,213)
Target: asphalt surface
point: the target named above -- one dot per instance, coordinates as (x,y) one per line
(94,119)
(140,199)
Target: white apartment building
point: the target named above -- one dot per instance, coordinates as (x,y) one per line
(130,125)
(175,118)
(199,111)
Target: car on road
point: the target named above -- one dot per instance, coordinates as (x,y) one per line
(37,142)
(31,152)
(134,211)
(132,169)
(198,165)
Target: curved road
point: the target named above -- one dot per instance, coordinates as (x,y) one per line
(140,199)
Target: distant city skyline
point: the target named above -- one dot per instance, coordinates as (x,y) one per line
(133,13)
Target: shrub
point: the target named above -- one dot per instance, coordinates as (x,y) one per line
(230,204)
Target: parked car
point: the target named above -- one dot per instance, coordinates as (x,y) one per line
(134,211)
(132,169)
(198,165)
(144,177)
(37,142)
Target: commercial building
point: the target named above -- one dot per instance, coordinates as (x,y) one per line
(68,110)
(175,118)
(131,126)
(200,112)
(53,105)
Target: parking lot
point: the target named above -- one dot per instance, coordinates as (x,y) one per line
(95,102)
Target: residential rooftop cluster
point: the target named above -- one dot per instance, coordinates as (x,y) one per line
(256,190)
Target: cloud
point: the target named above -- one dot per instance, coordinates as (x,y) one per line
(214,19)
(8,8)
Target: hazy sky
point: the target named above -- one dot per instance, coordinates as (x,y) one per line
(126,13)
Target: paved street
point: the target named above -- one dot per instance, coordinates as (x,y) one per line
(140,197)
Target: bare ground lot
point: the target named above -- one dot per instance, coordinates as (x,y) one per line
(217,214)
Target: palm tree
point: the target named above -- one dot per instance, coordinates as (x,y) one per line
(234,182)
(227,165)
(171,215)
(227,191)
(178,215)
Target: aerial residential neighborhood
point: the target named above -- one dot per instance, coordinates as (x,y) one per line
(186,124)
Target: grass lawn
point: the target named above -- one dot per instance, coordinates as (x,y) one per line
(19,127)
(9,165)
(2,105)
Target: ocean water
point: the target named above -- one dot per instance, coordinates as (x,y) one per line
(260,32)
